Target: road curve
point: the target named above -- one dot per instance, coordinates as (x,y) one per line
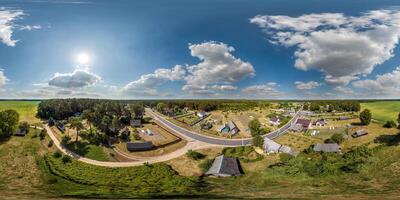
(217,141)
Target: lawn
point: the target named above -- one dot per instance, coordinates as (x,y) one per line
(383,110)
(26,109)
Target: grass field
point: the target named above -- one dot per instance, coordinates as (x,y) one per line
(383,110)
(26,109)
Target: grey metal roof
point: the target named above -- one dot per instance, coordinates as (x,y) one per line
(231,125)
(359,133)
(224,166)
(139,146)
(288,150)
(332,147)
(271,146)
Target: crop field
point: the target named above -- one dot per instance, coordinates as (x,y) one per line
(383,110)
(26,109)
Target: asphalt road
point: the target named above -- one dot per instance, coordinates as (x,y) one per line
(218,141)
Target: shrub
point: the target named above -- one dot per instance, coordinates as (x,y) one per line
(258,141)
(42,134)
(194,155)
(50,144)
(335,138)
(65,139)
(365,117)
(244,153)
(206,164)
(57,154)
(390,124)
(66,159)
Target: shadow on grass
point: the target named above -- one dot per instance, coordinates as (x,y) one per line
(80,148)
(357,124)
(388,140)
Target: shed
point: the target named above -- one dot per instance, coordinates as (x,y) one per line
(224,166)
(359,133)
(271,146)
(139,146)
(20,132)
(136,123)
(201,114)
(328,148)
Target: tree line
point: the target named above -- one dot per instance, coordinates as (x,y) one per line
(337,105)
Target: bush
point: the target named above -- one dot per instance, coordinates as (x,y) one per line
(365,117)
(50,144)
(65,140)
(57,154)
(390,124)
(258,141)
(42,134)
(335,138)
(244,153)
(66,159)
(194,155)
(206,164)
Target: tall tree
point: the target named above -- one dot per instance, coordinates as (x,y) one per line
(254,126)
(8,123)
(76,123)
(365,117)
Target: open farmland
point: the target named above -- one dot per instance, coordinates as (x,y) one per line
(383,111)
(26,109)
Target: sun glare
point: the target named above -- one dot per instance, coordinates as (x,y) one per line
(83,58)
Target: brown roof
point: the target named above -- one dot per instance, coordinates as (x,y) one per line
(304,122)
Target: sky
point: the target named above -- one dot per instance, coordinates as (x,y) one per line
(172,49)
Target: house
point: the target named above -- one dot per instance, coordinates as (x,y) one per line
(296,127)
(139,146)
(20,132)
(201,114)
(136,123)
(229,127)
(327,148)
(270,146)
(320,122)
(206,126)
(359,133)
(274,121)
(305,123)
(60,126)
(224,166)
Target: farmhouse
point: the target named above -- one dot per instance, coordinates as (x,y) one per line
(201,114)
(359,133)
(136,123)
(224,166)
(327,148)
(305,123)
(270,146)
(229,127)
(20,132)
(320,122)
(274,121)
(139,146)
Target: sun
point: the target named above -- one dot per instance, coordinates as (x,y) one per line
(83,58)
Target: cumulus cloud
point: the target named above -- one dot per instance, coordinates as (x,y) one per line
(386,84)
(306,86)
(146,85)
(342,47)
(77,79)
(8,25)
(217,70)
(217,66)
(265,90)
(3,78)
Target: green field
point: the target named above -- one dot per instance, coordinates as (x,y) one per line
(26,109)
(383,110)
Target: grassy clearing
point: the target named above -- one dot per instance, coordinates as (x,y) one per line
(26,109)
(383,110)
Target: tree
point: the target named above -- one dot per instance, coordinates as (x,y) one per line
(194,155)
(88,115)
(335,138)
(390,124)
(42,134)
(365,117)
(160,107)
(136,110)
(105,123)
(65,139)
(254,126)
(115,124)
(8,123)
(76,123)
(24,126)
(258,141)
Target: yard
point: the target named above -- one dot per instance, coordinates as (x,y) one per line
(383,111)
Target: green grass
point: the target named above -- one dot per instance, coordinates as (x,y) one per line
(383,110)
(77,179)
(96,153)
(26,109)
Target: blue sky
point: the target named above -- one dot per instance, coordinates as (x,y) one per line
(199,49)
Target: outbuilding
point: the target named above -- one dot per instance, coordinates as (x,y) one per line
(327,148)
(224,166)
(359,133)
(139,146)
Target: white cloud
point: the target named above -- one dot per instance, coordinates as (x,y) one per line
(344,90)
(306,86)
(217,66)
(146,85)
(266,90)
(342,47)
(3,78)
(7,25)
(386,84)
(77,79)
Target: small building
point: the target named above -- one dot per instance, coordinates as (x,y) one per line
(359,133)
(229,127)
(201,114)
(139,146)
(343,118)
(149,132)
(20,132)
(320,122)
(270,146)
(135,123)
(296,127)
(224,166)
(327,148)
(305,123)
(60,126)
(274,121)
